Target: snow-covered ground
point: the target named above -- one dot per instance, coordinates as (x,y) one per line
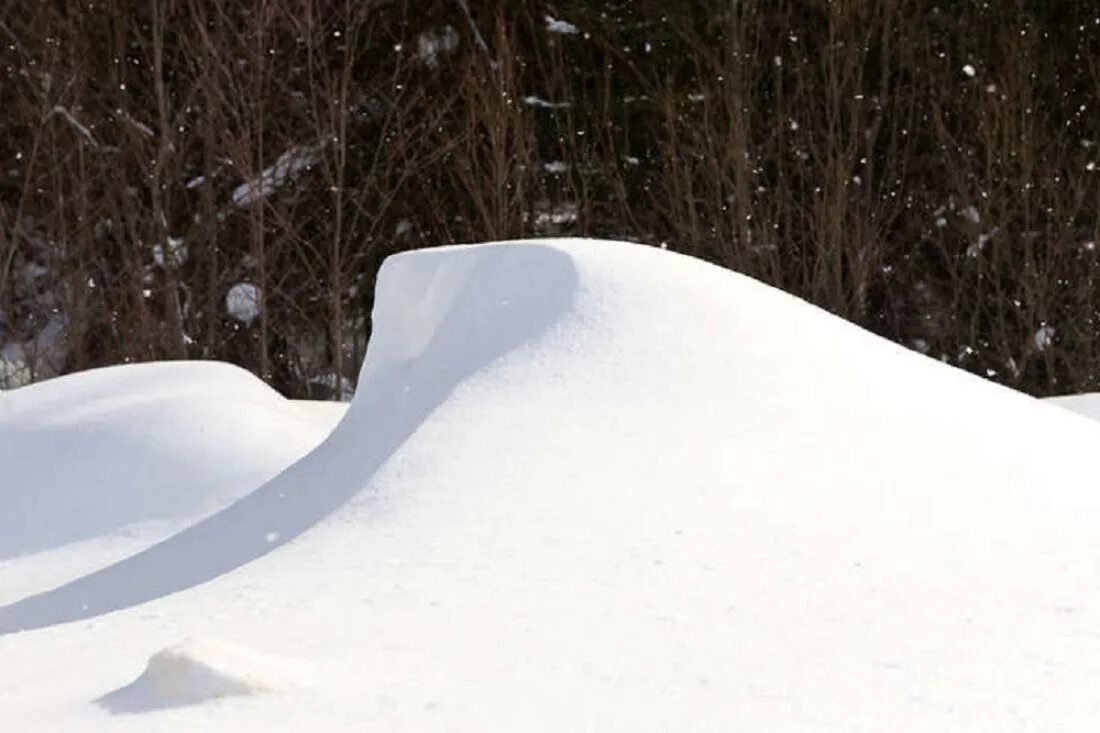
(98,465)
(582,486)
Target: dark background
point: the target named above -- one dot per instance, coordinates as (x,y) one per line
(928,170)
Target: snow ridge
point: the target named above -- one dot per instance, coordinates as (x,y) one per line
(442,315)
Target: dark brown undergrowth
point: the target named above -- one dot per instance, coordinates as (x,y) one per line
(222,178)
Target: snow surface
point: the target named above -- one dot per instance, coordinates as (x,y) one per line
(596,486)
(96,465)
(1083,404)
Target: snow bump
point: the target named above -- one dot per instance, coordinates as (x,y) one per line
(197,671)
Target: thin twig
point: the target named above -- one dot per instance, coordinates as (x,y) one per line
(493,63)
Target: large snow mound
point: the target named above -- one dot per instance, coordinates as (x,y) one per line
(591,485)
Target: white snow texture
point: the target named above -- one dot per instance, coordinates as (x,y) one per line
(582,485)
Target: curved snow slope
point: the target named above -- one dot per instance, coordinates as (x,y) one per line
(595,486)
(440,320)
(122,453)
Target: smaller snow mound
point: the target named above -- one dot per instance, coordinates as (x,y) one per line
(102,453)
(195,672)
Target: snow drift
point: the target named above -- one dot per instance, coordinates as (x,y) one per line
(443,329)
(111,457)
(591,485)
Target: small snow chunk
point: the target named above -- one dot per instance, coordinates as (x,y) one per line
(971,215)
(195,182)
(533,101)
(14,371)
(564,214)
(430,46)
(560,26)
(33,271)
(1044,337)
(286,165)
(176,252)
(243,302)
(983,239)
(195,672)
(271,537)
(561,215)
(555,166)
(969,70)
(344,386)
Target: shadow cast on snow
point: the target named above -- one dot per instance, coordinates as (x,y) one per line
(441,315)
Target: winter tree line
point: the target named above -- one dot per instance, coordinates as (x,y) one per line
(221,179)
